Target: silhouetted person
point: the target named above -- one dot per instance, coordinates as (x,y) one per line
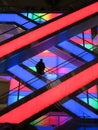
(40,67)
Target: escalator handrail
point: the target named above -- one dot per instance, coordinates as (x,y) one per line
(56,67)
(69,60)
(34,78)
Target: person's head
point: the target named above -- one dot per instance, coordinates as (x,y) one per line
(41,60)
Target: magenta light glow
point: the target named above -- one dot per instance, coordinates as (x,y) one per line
(77,40)
(14,84)
(93,89)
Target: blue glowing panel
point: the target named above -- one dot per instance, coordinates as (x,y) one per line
(80,35)
(27,77)
(18,19)
(30,63)
(89,99)
(21,73)
(44,127)
(82,95)
(82,42)
(13,96)
(78,109)
(76,50)
(12,99)
(29,25)
(87,56)
(55,66)
(87,36)
(25,93)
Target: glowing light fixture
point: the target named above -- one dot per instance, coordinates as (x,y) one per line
(57,93)
(43,31)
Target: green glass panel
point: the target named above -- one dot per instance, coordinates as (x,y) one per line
(93,102)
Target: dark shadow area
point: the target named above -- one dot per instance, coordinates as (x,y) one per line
(7,126)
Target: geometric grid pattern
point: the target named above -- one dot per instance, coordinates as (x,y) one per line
(80,38)
(41,17)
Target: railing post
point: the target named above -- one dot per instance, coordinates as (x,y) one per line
(18,91)
(58,120)
(83,39)
(87,97)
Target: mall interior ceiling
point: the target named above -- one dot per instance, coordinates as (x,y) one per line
(42,5)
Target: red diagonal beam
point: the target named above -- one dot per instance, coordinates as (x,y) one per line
(43,31)
(51,96)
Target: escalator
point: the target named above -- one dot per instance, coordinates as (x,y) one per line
(38,47)
(40,34)
(74,60)
(79,110)
(87,62)
(39,102)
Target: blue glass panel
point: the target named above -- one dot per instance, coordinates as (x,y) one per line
(88,57)
(80,35)
(87,36)
(20,20)
(76,51)
(60,66)
(26,76)
(13,95)
(25,14)
(12,99)
(15,18)
(12,18)
(38,84)
(82,95)
(21,73)
(90,99)
(44,127)
(71,47)
(29,25)
(78,109)
(29,63)
(24,93)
